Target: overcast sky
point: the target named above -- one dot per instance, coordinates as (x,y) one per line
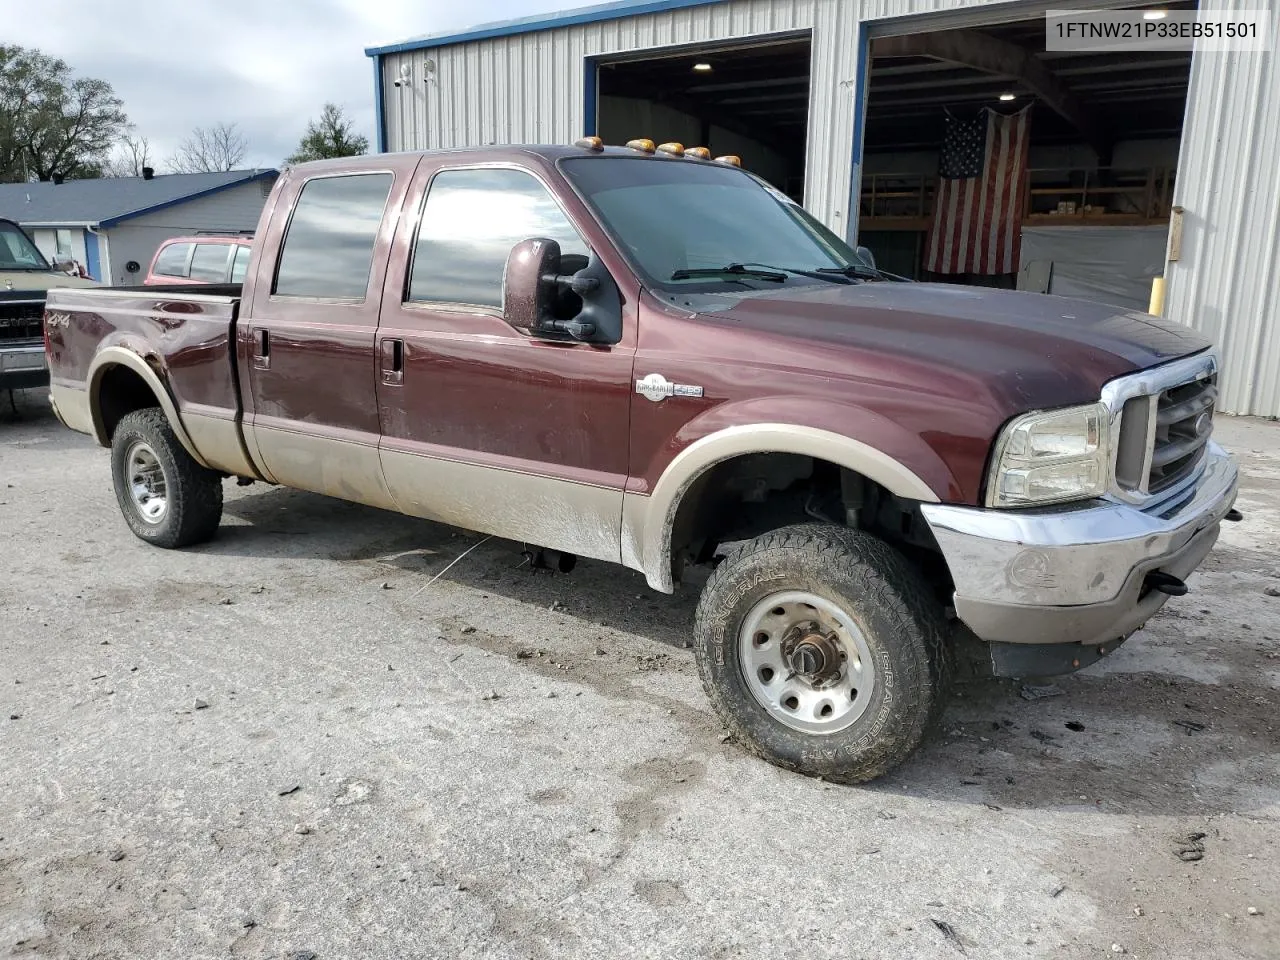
(266,65)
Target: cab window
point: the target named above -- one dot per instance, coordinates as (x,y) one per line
(209,262)
(471,220)
(328,248)
(240,265)
(174,260)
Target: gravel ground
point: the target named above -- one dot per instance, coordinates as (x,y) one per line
(291,743)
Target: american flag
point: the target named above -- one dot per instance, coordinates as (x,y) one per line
(977,217)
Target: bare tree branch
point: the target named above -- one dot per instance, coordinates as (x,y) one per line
(210,150)
(129,157)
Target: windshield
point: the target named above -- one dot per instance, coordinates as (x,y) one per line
(17,252)
(680,221)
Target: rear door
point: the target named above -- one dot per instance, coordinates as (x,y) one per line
(308,343)
(484,426)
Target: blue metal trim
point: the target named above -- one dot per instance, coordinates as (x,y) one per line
(92,263)
(590,73)
(112,221)
(567,18)
(859,125)
(379,105)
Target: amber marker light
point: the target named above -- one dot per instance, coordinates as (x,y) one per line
(644,145)
(589,143)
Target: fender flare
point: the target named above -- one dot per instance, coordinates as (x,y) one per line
(647,521)
(117,356)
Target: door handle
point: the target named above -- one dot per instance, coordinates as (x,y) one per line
(262,349)
(391,365)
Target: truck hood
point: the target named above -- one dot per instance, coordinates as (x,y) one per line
(1030,350)
(37,281)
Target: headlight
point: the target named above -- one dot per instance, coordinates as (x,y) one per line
(1051,457)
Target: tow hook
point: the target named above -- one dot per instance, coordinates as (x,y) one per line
(1234,515)
(1166,583)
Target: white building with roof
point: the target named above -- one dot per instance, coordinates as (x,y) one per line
(112,226)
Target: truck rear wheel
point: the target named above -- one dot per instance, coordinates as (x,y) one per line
(167,498)
(822,651)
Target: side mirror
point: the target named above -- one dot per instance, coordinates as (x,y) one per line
(531,284)
(524,294)
(866,256)
(65,266)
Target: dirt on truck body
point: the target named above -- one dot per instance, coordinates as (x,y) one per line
(659,361)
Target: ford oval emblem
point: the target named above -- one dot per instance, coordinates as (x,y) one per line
(1203,424)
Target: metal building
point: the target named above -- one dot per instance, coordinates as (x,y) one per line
(539,80)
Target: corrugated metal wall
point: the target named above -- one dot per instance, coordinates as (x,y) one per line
(529,88)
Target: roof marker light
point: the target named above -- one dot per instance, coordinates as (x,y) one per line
(672,148)
(643,144)
(731,159)
(589,143)
(698,153)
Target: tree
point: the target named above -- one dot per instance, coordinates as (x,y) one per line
(330,136)
(129,157)
(210,150)
(53,125)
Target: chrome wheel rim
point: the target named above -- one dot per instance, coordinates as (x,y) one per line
(806,661)
(147,486)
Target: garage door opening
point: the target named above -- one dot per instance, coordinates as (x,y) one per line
(750,101)
(988,160)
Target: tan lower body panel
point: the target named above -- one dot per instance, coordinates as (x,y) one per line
(575,517)
(217,436)
(329,465)
(72,407)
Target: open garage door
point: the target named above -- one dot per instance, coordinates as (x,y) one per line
(1084,182)
(752,101)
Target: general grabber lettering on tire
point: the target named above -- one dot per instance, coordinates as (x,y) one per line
(822,651)
(167,498)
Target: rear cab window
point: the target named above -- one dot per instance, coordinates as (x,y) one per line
(328,246)
(174,260)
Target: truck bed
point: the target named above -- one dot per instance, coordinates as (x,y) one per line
(184,333)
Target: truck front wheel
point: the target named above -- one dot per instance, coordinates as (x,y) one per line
(822,651)
(167,498)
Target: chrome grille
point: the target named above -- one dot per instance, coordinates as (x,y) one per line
(1161,421)
(1184,422)
(20,321)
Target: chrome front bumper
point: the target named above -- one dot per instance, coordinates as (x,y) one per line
(1076,574)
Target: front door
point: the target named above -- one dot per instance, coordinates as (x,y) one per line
(483,426)
(308,345)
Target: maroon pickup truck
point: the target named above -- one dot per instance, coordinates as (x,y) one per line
(658,360)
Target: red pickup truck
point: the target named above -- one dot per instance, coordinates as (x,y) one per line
(657,360)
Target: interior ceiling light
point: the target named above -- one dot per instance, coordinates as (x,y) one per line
(1154,14)
(702,67)
(1008,96)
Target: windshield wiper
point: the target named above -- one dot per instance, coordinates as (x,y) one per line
(732,269)
(860,271)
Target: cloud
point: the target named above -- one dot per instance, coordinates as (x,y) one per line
(266,65)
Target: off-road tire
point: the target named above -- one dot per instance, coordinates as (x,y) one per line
(194,493)
(888,600)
